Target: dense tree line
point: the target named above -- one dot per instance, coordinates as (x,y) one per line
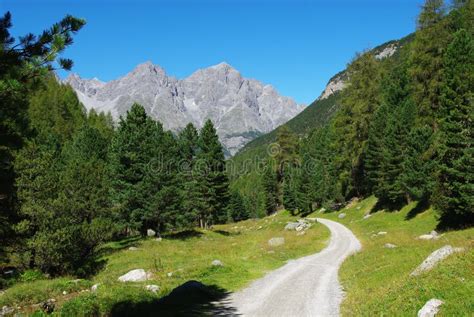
(71,179)
(404,131)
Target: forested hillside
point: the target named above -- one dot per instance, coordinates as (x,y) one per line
(402,130)
(72,180)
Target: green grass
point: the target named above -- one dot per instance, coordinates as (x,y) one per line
(377,280)
(242,247)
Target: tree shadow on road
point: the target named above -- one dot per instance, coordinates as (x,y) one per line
(189,299)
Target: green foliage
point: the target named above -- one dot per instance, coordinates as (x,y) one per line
(238,212)
(455,186)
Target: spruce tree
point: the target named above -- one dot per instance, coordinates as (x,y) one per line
(212,177)
(454,195)
(270,188)
(238,212)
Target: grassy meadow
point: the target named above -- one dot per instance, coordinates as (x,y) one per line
(377,280)
(241,247)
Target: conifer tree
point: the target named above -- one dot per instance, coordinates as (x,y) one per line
(213,181)
(454,195)
(238,212)
(270,188)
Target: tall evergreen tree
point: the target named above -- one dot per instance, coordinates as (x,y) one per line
(238,212)
(454,195)
(270,188)
(213,181)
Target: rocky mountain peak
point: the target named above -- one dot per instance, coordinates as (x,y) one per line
(240,108)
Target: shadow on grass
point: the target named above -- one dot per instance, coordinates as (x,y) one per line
(227,233)
(420,207)
(119,245)
(190,299)
(183,235)
(387,205)
(449,222)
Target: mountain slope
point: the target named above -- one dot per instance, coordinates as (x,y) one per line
(318,113)
(240,108)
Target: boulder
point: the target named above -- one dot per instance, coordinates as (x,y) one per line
(94,287)
(152,288)
(217,263)
(291,226)
(431,308)
(137,275)
(151,233)
(434,258)
(341,216)
(275,242)
(389,246)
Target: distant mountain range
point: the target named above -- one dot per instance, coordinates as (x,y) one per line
(241,108)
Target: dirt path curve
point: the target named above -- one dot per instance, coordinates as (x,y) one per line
(308,286)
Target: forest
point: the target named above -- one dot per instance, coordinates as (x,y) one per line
(73,179)
(403,131)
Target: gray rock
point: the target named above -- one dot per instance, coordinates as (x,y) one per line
(381,233)
(169,274)
(133,249)
(95,287)
(291,225)
(151,233)
(159,239)
(341,216)
(367,216)
(137,275)
(431,308)
(217,263)
(244,108)
(389,246)
(152,288)
(6,311)
(275,242)
(434,258)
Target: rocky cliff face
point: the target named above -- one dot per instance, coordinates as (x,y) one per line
(240,108)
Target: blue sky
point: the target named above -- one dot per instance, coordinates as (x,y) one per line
(296,46)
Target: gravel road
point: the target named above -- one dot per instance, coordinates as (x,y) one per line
(308,286)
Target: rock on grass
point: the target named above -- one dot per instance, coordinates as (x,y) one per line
(138,275)
(431,308)
(434,258)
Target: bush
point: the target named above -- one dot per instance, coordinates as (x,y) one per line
(87,305)
(31,275)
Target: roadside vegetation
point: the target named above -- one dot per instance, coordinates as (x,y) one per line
(242,248)
(377,280)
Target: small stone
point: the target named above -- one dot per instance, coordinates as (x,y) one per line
(381,233)
(425,237)
(6,310)
(64,293)
(158,239)
(367,216)
(151,233)
(431,308)
(359,208)
(152,288)
(341,216)
(275,242)
(94,287)
(301,233)
(217,263)
(170,274)
(133,248)
(259,227)
(389,246)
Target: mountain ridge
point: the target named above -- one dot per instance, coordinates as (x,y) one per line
(241,108)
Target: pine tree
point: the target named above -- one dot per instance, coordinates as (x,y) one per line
(270,188)
(188,148)
(213,181)
(238,212)
(454,195)
(139,171)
